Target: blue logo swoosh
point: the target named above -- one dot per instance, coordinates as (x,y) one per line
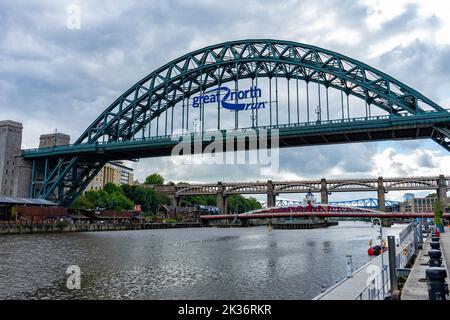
(226,105)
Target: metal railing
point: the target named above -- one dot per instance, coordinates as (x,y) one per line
(403,257)
(378,287)
(311,124)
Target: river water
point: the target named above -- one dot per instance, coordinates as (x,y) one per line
(200,263)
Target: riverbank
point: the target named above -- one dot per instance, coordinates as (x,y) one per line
(59,227)
(85,227)
(200,263)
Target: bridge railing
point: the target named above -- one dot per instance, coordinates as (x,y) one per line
(379,286)
(248,129)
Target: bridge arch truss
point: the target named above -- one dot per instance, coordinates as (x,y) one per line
(142,121)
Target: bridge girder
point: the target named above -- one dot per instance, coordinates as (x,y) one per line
(198,71)
(162,90)
(332,185)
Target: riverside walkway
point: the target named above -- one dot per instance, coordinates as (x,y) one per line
(416,288)
(354,288)
(445,247)
(368,282)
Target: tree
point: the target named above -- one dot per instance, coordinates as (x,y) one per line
(148,198)
(111,187)
(154,179)
(110,197)
(236,203)
(240,204)
(438,211)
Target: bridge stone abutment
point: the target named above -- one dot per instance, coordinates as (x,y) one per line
(381,195)
(271,196)
(323,191)
(222,201)
(170,192)
(442,191)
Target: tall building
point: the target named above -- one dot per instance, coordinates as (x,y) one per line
(413,204)
(113,172)
(15,171)
(53,139)
(10,147)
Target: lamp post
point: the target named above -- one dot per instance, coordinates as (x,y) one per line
(253,117)
(382,255)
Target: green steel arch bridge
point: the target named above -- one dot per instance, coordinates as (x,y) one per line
(302,94)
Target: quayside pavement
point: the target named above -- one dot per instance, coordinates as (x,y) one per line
(352,288)
(416,286)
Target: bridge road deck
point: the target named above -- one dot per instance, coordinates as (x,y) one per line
(350,288)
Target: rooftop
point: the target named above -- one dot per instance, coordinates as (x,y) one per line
(26,201)
(11,123)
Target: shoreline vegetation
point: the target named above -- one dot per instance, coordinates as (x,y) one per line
(125,197)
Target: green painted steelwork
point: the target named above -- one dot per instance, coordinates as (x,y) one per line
(126,125)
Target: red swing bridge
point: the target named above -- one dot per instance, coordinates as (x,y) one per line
(318,211)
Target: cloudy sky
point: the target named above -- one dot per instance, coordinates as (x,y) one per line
(57,78)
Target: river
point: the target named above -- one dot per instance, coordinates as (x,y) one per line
(200,263)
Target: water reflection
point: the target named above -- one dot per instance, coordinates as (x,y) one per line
(210,263)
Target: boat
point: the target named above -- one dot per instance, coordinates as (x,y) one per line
(376,250)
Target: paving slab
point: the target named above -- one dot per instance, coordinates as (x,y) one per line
(415,288)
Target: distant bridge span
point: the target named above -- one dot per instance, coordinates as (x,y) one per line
(439,184)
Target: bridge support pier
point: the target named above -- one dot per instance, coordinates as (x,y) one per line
(442,191)
(222,201)
(323,191)
(271,197)
(381,195)
(174,200)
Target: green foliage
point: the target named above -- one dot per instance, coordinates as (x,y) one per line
(240,204)
(202,200)
(432,196)
(126,196)
(148,198)
(438,211)
(110,197)
(154,179)
(236,203)
(61,225)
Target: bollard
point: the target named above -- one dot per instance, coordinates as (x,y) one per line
(349,266)
(435,245)
(435,258)
(435,239)
(392,264)
(420,235)
(437,287)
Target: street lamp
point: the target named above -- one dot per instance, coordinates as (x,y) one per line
(253,117)
(382,254)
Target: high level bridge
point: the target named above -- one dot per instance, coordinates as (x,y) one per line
(325,187)
(298,94)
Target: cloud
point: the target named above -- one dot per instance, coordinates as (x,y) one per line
(55,78)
